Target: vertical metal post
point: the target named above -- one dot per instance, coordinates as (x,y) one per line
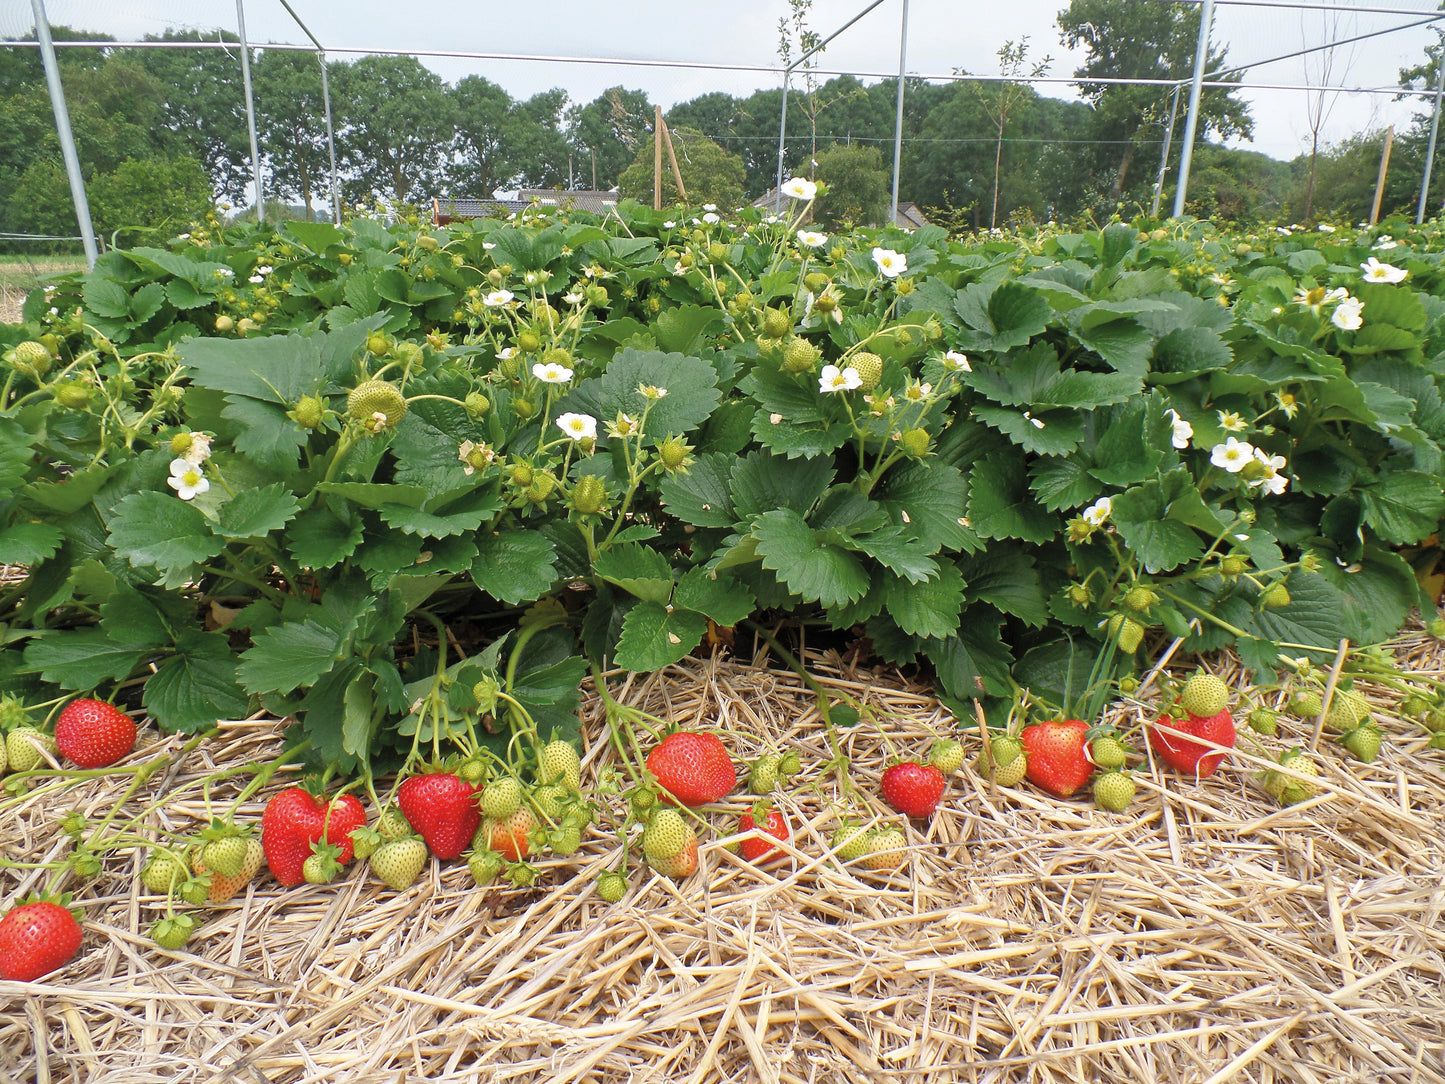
(1164,154)
(1191,122)
(1384,170)
(330,139)
(1434,132)
(898,122)
(250,109)
(782,136)
(62,130)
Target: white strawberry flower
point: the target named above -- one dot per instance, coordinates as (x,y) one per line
(551,373)
(890,264)
(1347,316)
(955,362)
(187,479)
(497,298)
(711,218)
(812,238)
(1375,271)
(835,379)
(1098,512)
(506,352)
(1233,455)
(800,188)
(1183,431)
(1270,480)
(578,426)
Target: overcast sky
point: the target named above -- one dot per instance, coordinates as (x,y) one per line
(942,35)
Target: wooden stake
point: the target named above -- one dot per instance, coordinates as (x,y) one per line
(672,158)
(657,160)
(1384,168)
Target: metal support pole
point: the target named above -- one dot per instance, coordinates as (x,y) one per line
(1191,122)
(62,129)
(1164,154)
(782,135)
(898,122)
(250,109)
(330,140)
(1434,132)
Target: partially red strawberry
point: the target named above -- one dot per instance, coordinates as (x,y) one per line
(693,767)
(223,888)
(93,733)
(511,837)
(295,819)
(1055,752)
(912,788)
(757,848)
(1193,757)
(443,809)
(36,939)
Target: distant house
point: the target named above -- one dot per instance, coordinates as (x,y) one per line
(910,216)
(452,208)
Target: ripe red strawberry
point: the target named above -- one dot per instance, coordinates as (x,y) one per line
(1192,757)
(757,848)
(692,767)
(443,809)
(94,734)
(35,939)
(912,788)
(294,820)
(1055,752)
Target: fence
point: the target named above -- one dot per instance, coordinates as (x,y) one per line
(1219,20)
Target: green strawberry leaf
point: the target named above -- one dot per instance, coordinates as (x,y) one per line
(719,597)
(288,656)
(516,566)
(812,569)
(196,688)
(253,513)
(653,638)
(80,659)
(637,569)
(929,609)
(152,529)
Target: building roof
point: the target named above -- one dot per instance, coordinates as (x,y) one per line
(450,208)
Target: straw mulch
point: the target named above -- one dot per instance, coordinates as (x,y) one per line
(1205,936)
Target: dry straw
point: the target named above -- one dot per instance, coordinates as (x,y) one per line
(1205,936)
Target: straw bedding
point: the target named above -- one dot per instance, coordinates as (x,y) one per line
(1205,936)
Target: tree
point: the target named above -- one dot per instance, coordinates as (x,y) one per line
(1129,39)
(291,124)
(1002,99)
(150,195)
(483,112)
(538,146)
(606,132)
(709,173)
(398,125)
(858,186)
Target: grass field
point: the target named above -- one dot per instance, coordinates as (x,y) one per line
(21,274)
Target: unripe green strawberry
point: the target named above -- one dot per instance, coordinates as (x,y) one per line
(564,840)
(589,494)
(27,746)
(763,775)
(399,862)
(378,344)
(173,931)
(1131,634)
(1297,790)
(558,356)
(225,323)
(1364,742)
(321,869)
(815,282)
(1114,791)
(915,442)
(596,295)
(427,243)
(1233,565)
(225,856)
(1275,597)
(885,850)
(523,475)
(476,404)
(776,323)
(1263,721)
(32,358)
(946,755)
(72,394)
(84,863)
(641,802)
(1139,598)
(717,253)
(376,397)
(666,835)
(612,886)
(560,763)
(223,888)
(472,770)
(1012,773)
(162,873)
(851,842)
(799,356)
(4,758)
(1414,706)
(193,891)
(528,342)
(1347,709)
(790,765)
(501,798)
(1108,752)
(310,409)
(364,842)
(674,454)
(1306,704)
(869,367)
(1434,721)
(392,823)
(547,316)
(484,865)
(552,801)
(1204,695)
(1005,749)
